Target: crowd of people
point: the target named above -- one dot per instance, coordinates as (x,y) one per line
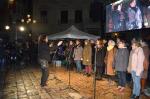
(112,58)
(127,15)
(15,55)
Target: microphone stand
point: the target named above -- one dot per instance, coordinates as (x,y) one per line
(69,72)
(94,76)
(54,62)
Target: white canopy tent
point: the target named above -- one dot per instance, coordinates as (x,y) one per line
(72,33)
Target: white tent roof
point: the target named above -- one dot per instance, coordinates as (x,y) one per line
(72,33)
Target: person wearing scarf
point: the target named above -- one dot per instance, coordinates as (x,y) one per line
(109,58)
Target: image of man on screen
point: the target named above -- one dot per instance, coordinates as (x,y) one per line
(118,18)
(134,16)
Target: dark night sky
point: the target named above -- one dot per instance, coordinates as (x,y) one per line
(2,4)
(95,7)
(3,7)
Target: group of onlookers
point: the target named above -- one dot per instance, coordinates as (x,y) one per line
(15,55)
(112,58)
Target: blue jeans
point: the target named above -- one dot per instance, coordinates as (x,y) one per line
(78,64)
(136,83)
(121,78)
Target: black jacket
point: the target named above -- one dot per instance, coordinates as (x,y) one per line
(100,55)
(43,51)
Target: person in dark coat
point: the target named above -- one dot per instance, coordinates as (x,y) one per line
(69,55)
(2,53)
(146,51)
(44,57)
(121,64)
(2,65)
(134,18)
(60,51)
(100,55)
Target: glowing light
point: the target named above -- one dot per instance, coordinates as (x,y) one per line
(7,27)
(11,1)
(22,20)
(21,28)
(28,16)
(116,34)
(30,35)
(34,21)
(29,20)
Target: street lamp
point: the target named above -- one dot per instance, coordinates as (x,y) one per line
(22,20)
(34,21)
(28,15)
(22,28)
(17,29)
(7,27)
(28,21)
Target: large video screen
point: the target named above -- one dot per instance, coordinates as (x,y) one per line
(127,15)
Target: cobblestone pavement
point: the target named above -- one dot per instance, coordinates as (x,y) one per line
(25,84)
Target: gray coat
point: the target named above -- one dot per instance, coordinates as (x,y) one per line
(77,54)
(121,59)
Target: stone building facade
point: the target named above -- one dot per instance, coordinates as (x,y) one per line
(54,16)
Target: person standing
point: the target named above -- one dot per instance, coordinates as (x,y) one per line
(44,57)
(2,65)
(134,16)
(145,64)
(100,55)
(121,64)
(109,59)
(77,54)
(87,57)
(135,66)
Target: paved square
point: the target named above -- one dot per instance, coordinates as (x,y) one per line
(25,84)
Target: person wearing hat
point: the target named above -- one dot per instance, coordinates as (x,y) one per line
(109,59)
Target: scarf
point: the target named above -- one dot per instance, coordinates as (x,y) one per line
(110,47)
